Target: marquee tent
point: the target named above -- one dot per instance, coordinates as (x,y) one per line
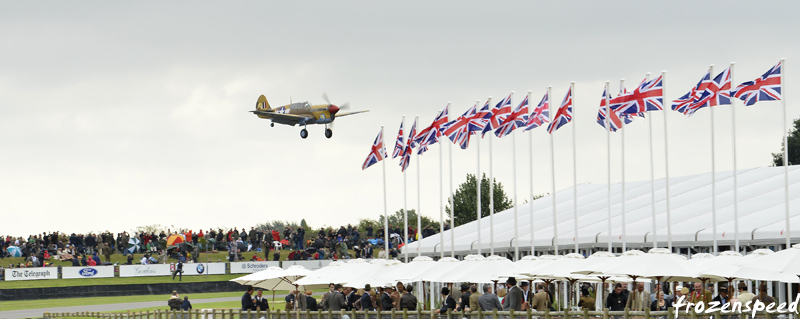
(761,215)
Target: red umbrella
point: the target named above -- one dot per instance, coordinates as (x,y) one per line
(174,239)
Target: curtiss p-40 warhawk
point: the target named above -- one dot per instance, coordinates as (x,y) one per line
(302,113)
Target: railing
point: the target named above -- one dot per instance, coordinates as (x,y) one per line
(406,314)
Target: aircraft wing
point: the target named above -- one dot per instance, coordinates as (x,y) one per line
(282,118)
(350,113)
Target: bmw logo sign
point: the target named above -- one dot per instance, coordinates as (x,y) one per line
(88,272)
(200,269)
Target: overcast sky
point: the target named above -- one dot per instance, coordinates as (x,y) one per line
(117,115)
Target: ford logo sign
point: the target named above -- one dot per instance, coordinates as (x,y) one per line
(88,272)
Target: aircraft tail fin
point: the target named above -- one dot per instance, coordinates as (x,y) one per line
(262,104)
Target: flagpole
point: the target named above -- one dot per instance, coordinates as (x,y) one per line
(514,180)
(491,194)
(574,168)
(478,178)
(441,201)
(405,204)
(713,177)
(608,148)
(419,206)
(553,175)
(385,209)
(735,170)
(530,156)
(785,156)
(652,174)
(785,163)
(622,160)
(452,206)
(666,164)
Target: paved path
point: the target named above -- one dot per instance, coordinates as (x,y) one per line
(37,313)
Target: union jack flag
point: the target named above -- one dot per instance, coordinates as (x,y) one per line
(516,119)
(499,113)
(615,122)
(458,130)
(766,88)
(430,135)
(398,145)
(563,115)
(478,121)
(707,92)
(648,96)
(377,153)
(540,114)
(405,160)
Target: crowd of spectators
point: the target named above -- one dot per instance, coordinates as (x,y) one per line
(40,250)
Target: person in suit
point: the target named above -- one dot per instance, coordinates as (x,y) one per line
(247,299)
(473,298)
(408,301)
(541,299)
(449,303)
(260,302)
(311,302)
(638,300)
(350,297)
(464,298)
(488,301)
(325,295)
(513,299)
(763,296)
(526,295)
(366,299)
(386,299)
(174,301)
(335,300)
(722,298)
(700,295)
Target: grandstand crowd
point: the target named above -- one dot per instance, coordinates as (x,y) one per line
(40,250)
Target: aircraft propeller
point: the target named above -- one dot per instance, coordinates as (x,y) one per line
(333,109)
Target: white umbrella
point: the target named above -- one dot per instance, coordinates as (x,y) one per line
(608,264)
(785,262)
(274,278)
(520,266)
(479,269)
(411,271)
(658,263)
(442,267)
(320,278)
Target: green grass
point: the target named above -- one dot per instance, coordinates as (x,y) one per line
(68,302)
(111,281)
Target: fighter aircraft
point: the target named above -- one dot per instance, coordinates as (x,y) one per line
(302,113)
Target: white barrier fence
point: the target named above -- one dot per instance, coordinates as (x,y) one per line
(247,267)
(87,272)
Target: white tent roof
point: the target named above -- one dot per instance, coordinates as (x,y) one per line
(761,215)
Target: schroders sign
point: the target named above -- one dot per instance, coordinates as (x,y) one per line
(252,266)
(144,270)
(31,273)
(87,272)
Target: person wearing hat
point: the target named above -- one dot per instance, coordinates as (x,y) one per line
(513,299)
(722,297)
(680,292)
(526,295)
(463,303)
(387,303)
(745,296)
(449,303)
(586,301)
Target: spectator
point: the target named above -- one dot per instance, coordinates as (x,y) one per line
(247,299)
(174,301)
(186,305)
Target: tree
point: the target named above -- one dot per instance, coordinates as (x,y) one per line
(794,147)
(396,220)
(465,199)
